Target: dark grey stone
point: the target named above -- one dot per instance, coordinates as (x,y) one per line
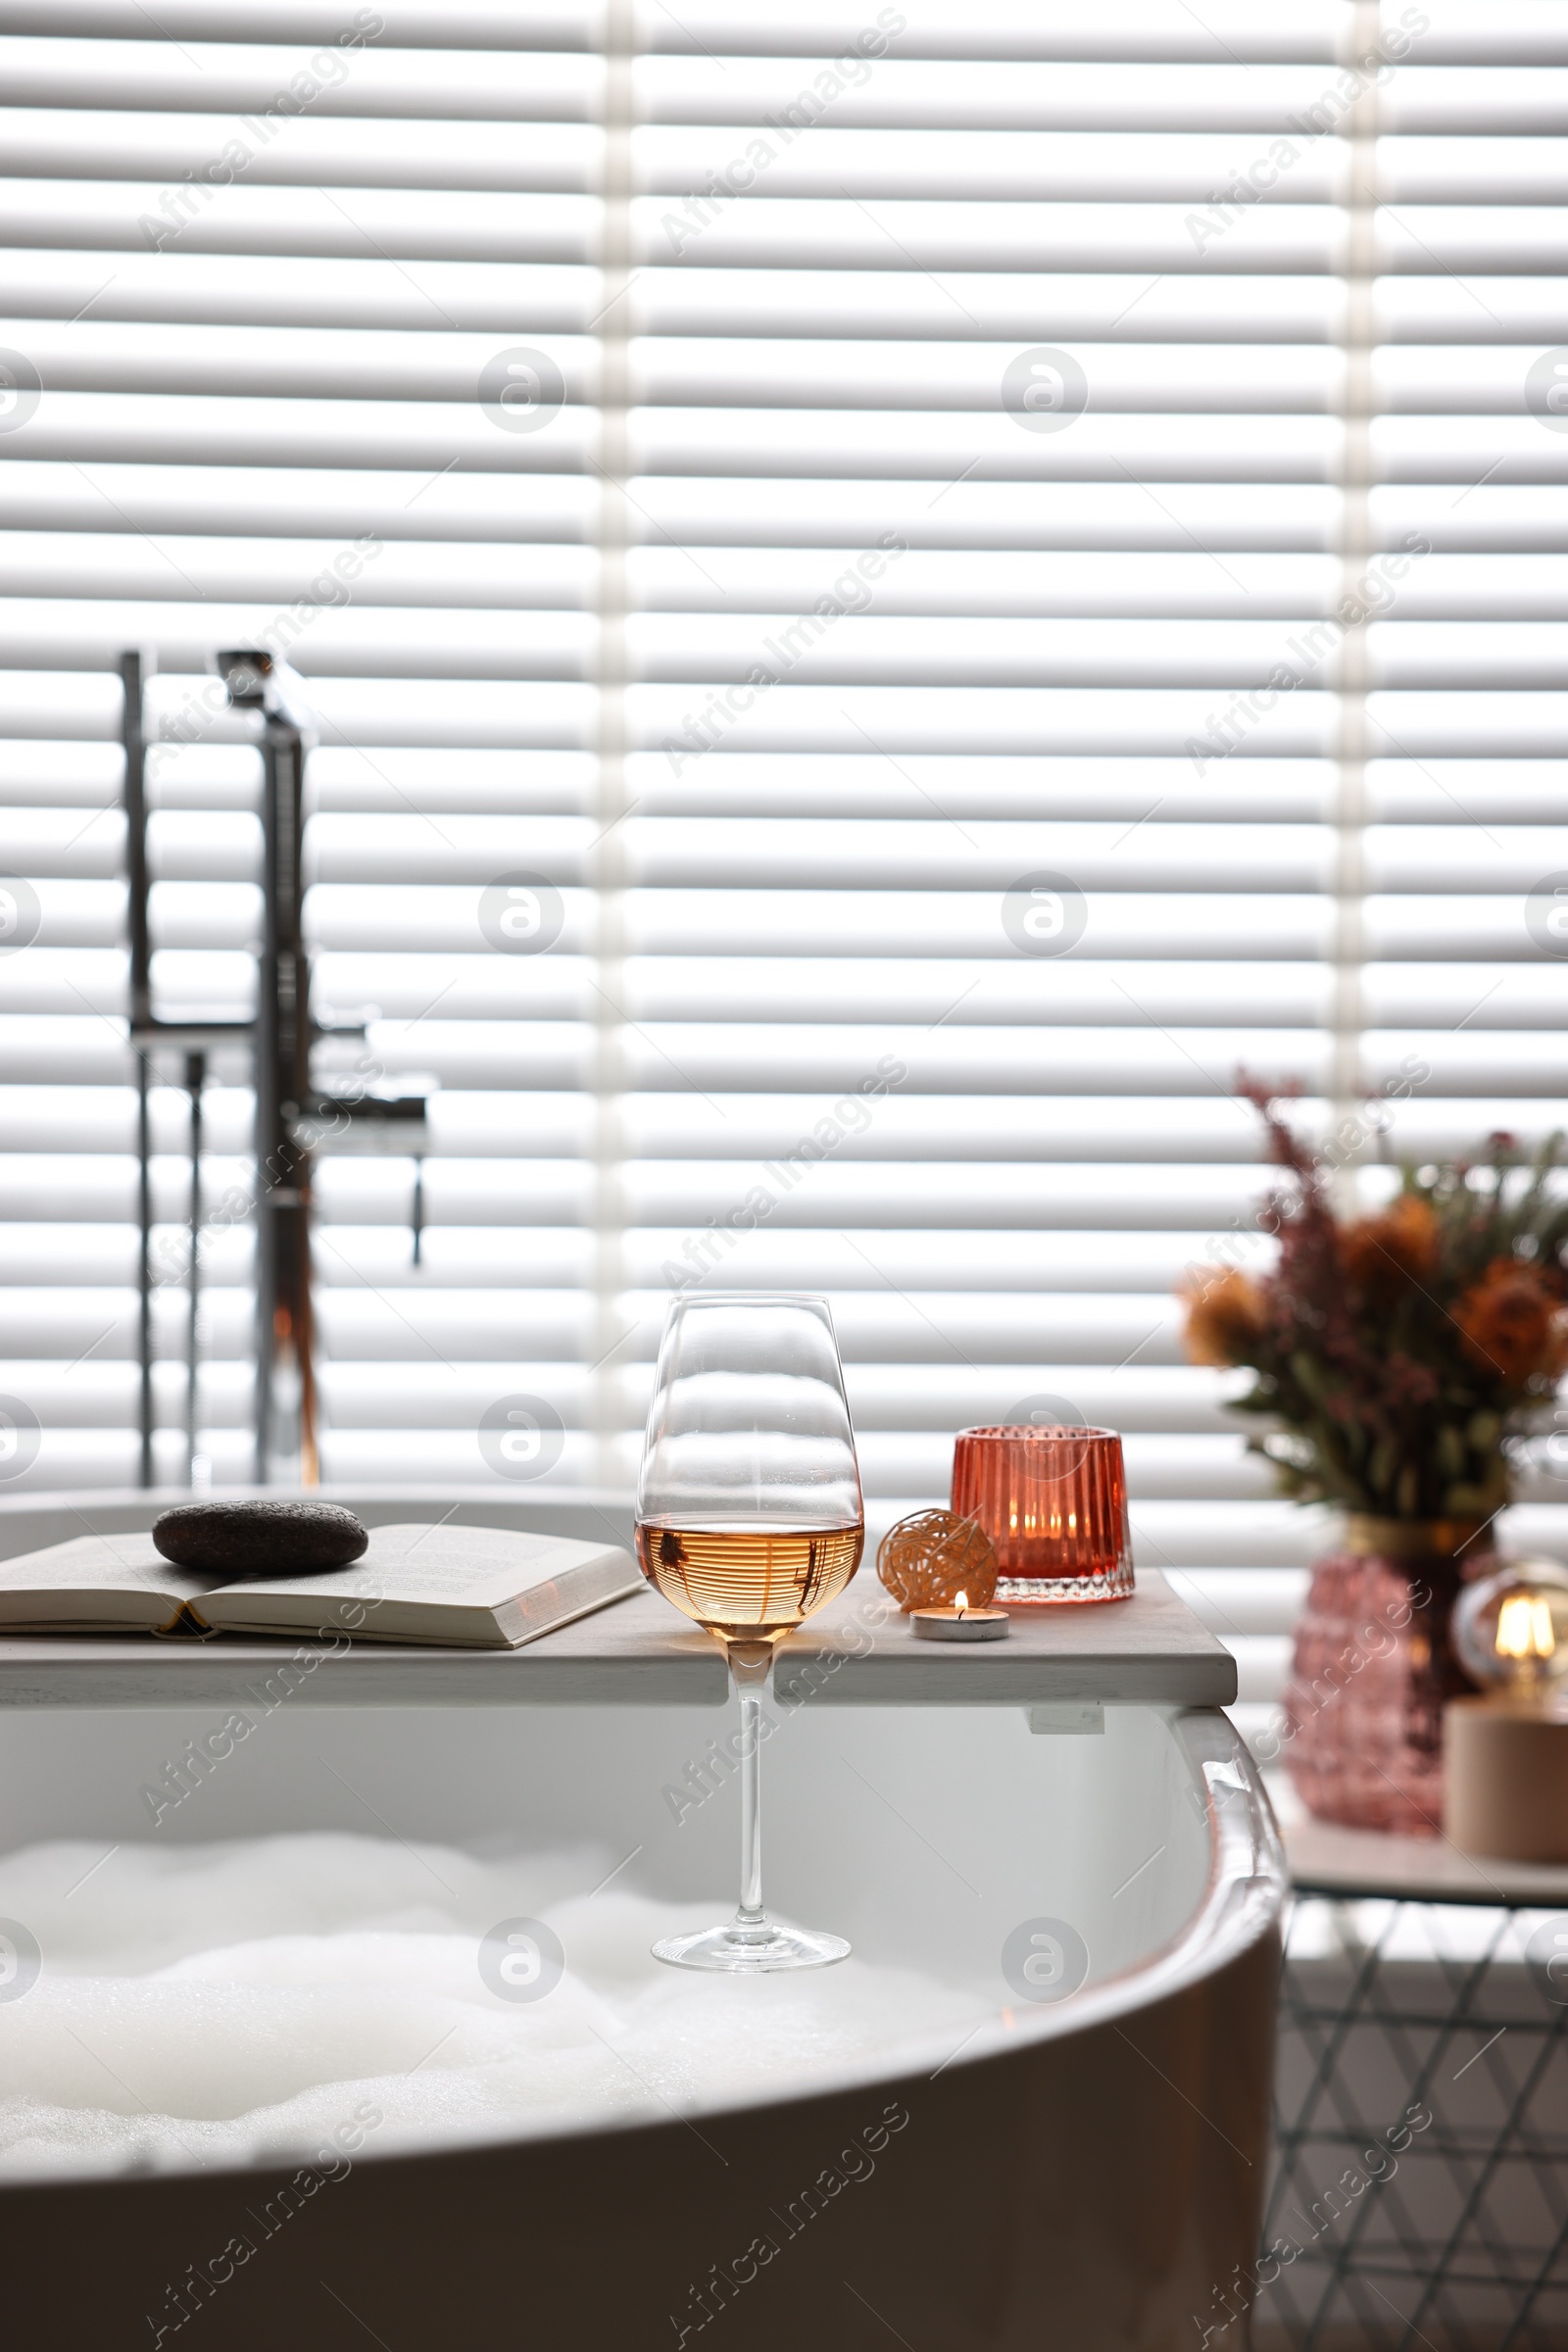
(259,1538)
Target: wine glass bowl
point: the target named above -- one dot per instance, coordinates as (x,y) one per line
(748,1520)
(749,1510)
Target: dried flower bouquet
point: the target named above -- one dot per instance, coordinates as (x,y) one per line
(1398,1354)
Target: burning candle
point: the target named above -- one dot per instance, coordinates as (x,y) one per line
(960,1623)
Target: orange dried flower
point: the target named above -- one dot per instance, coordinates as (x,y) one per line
(1512,1324)
(1400,1245)
(1227,1317)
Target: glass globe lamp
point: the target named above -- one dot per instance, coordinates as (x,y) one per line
(1511,1629)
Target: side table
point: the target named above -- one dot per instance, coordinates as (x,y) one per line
(1420,2192)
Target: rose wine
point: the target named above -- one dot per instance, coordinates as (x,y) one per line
(740,1581)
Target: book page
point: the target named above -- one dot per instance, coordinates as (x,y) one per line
(476,1567)
(91,1564)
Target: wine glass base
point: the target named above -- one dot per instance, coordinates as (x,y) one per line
(752,1952)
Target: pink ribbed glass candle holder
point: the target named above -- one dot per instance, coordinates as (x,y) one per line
(1054,1502)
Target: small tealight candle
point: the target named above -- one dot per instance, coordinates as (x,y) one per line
(960,1623)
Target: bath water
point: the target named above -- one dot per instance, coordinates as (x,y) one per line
(255,2001)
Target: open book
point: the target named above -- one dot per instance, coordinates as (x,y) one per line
(477,1588)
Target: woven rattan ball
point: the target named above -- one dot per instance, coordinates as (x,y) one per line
(929,1558)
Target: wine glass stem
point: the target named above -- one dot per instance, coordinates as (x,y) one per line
(749,1913)
(748,1665)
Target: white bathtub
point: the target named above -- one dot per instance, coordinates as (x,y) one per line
(1084,2174)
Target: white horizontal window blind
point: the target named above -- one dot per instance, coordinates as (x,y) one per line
(893,594)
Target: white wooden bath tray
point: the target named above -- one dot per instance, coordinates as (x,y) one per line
(1063,1662)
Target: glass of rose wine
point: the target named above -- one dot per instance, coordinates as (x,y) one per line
(749,1519)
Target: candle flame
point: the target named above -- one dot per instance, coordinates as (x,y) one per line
(961,1603)
(1524,1628)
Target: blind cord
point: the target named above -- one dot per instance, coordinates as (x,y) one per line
(1358,127)
(607,861)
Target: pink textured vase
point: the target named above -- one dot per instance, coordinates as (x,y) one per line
(1373,1670)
